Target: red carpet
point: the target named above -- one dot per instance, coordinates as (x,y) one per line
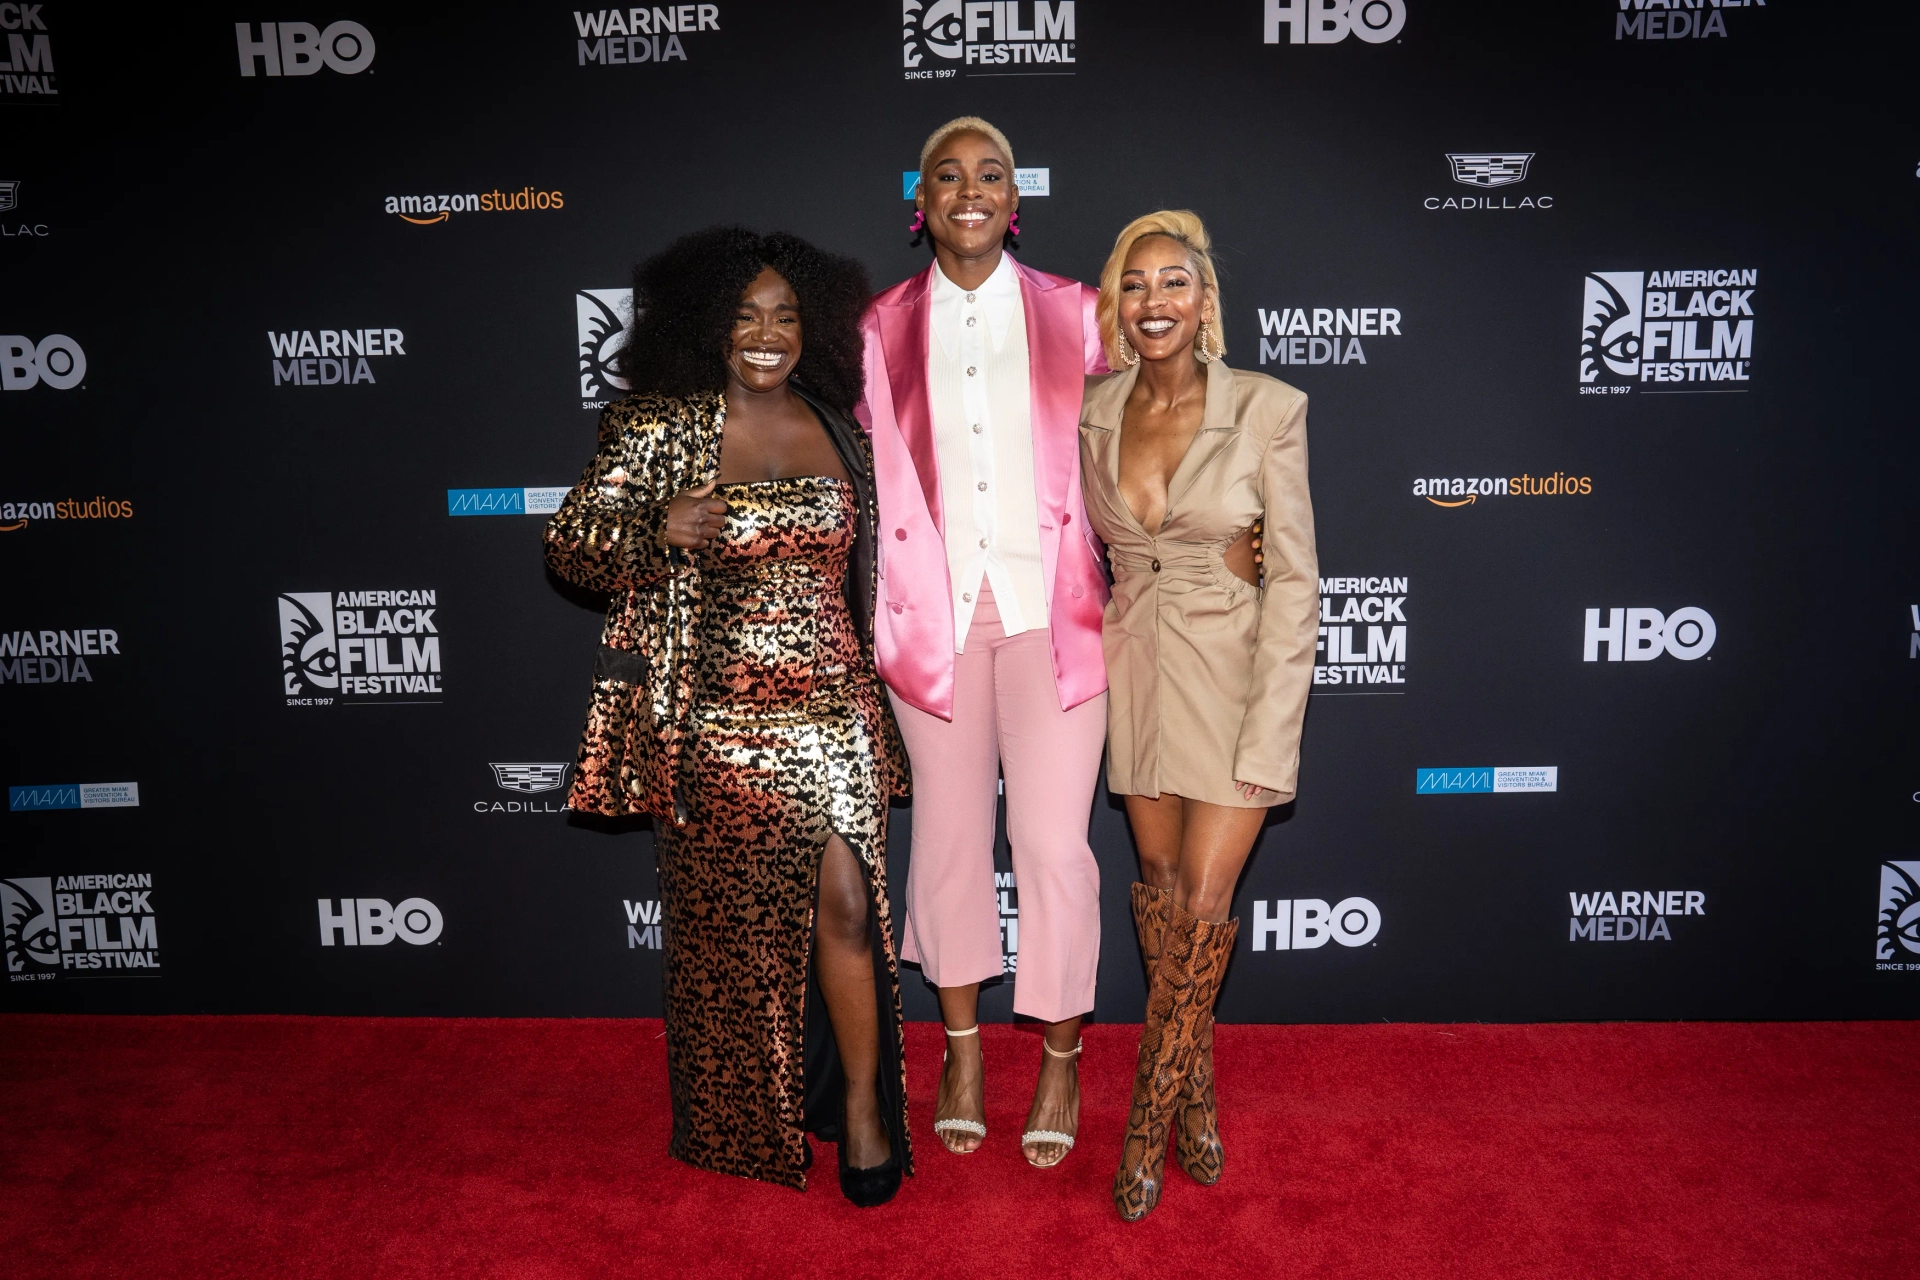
(371,1148)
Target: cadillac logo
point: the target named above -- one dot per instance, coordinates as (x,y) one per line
(1483,169)
(9,195)
(530,778)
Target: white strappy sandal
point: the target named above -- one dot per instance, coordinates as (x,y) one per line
(1033,1136)
(972,1128)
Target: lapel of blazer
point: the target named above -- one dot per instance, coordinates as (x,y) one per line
(903,336)
(1104,406)
(1219,427)
(1056,367)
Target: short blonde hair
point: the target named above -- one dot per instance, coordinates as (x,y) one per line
(965,124)
(1182,225)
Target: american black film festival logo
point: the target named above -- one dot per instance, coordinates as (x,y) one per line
(359,647)
(79,926)
(1897,946)
(1656,329)
(942,39)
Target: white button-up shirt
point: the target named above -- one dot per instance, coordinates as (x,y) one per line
(981,397)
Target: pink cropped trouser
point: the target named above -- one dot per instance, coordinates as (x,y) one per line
(1006,718)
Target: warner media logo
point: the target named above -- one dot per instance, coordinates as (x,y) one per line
(428,210)
(55,360)
(1486,780)
(626,37)
(335,357)
(1331,21)
(941,39)
(1640,916)
(643,924)
(543,501)
(602,318)
(15,516)
(1674,19)
(302,49)
(27,70)
(1487,170)
(93,926)
(359,646)
(1700,321)
(54,657)
(1331,336)
(1641,635)
(1464,491)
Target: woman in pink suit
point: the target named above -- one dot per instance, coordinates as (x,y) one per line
(988,632)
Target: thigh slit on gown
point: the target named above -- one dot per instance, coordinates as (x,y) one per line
(783,752)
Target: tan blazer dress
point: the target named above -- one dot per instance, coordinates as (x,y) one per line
(1209,674)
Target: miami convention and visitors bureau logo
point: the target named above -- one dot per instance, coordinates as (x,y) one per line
(942,39)
(91,926)
(1659,328)
(359,646)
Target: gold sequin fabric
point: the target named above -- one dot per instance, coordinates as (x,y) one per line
(785,746)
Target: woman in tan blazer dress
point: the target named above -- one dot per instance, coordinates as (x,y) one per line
(1181,459)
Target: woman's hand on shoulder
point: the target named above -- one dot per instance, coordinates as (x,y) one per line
(695,518)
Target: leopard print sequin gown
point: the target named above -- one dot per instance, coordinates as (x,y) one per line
(734,702)
(780,754)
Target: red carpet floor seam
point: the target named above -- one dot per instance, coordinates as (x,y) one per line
(374,1148)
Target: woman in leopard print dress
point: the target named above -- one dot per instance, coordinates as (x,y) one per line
(729,511)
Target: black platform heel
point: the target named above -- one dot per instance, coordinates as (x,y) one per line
(867,1188)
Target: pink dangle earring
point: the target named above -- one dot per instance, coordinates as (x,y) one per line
(919,220)
(1013,223)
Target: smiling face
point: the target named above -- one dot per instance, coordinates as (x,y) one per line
(1163,300)
(764,345)
(967,193)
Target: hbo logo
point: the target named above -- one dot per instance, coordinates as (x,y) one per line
(1331,21)
(300,48)
(1301,924)
(374,922)
(1641,635)
(56,360)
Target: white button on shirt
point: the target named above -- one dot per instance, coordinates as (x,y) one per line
(980,394)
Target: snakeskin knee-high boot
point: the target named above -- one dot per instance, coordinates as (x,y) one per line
(1196,1126)
(1184,984)
(1196,1121)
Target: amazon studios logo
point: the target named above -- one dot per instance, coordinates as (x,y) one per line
(1667,326)
(603,317)
(1010,38)
(1641,635)
(1464,491)
(359,646)
(374,922)
(301,49)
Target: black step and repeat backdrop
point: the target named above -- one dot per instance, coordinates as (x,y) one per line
(1602,306)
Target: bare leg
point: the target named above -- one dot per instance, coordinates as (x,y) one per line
(1056,1098)
(1158,823)
(843,959)
(1213,849)
(963,1085)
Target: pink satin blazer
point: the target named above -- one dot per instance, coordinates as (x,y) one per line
(913,626)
